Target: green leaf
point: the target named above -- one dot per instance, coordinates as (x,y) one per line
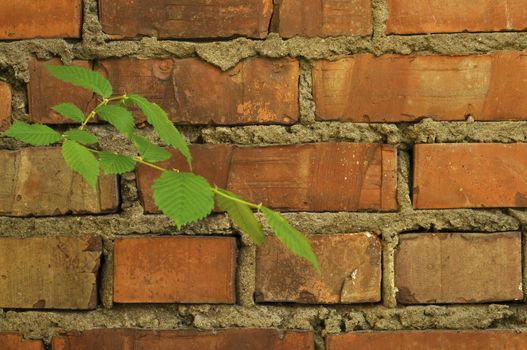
(183,197)
(82,161)
(241,214)
(69,110)
(164,127)
(81,136)
(116,163)
(149,151)
(290,237)
(83,77)
(119,117)
(33,134)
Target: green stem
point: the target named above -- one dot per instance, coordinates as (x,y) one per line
(252,205)
(104,102)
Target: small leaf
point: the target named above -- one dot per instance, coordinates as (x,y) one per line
(33,134)
(116,163)
(183,197)
(82,77)
(290,237)
(241,215)
(119,117)
(81,160)
(81,136)
(149,151)
(69,110)
(164,127)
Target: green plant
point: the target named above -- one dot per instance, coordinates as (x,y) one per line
(183,196)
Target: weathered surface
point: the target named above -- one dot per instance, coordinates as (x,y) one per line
(350,271)
(458,268)
(314,177)
(49,272)
(470,176)
(10,341)
(486,87)
(184,19)
(175,269)
(37,181)
(5,105)
(425,16)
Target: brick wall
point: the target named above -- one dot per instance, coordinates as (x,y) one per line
(393,133)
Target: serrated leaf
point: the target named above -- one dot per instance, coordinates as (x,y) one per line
(241,214)
(149,151)
(81,136)
(290,237)
(82,161)
(183,197)
(82,77)
(70,111)
(119,117)
(164,127)
(116,163)
(33,134)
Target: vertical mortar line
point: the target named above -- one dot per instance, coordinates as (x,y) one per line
(246,273)
(306,104)
(106,274)
(379,17)
(390,240)
(404,180)
(524,260)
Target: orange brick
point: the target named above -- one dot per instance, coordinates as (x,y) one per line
(393,88)
(312,177)
(26,19)
(5,105)
(470,176)
(458,268)
(448,16)
(10,341)
(350,271)
(186,19)
(175,269)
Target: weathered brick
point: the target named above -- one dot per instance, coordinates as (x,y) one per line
(313,177)
(394,88)
(5,105)
(350,271)
(37,181)
(449,16)
(470,176)
(458,268)
(458,340)
(11,341)
(323,18)
(228,339)
(26,19)
(175,269)
(186,19)
(49,272)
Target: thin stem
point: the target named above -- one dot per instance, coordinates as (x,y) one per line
(152,165)
(104,102)
(223,194)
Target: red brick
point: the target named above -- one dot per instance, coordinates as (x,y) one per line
(175,269)
(26,19)
(10,341)
(458,268)
(312,177)
(449,16)
(5,105)
(470,176)
(458,340)
(186,19)
(350,271)
(394,88)
(228,339)
(37,181)
(324,18)
(49,272)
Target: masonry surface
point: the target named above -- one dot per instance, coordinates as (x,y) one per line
(393,133)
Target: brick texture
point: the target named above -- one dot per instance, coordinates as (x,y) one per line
(5,105)
(314,177)
(350,271)
(175,269)
(37,181)
(470,176)
(229,339)
(49,272)
(26,19)
(448,16)
(10,341)
(487,87)
(323,18)
(458,340)
(458,268)
(186,19)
